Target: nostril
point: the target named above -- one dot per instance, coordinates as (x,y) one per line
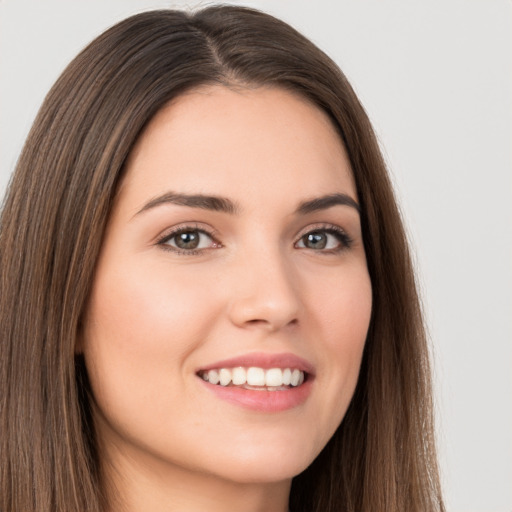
(256,321)
(261,323)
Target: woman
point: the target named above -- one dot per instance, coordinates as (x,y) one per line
(207,298)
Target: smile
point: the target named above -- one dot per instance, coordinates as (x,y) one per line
(262,382)
(255,378)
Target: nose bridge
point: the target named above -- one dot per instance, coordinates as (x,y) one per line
(265,292)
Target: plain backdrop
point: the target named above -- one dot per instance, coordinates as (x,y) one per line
(435,77)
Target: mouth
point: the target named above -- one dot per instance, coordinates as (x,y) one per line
(255,378)
(262,382)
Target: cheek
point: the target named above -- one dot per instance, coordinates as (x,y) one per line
(137,311)
(140,329)
(343,317)
(343,308)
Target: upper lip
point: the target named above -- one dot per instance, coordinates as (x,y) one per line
(263,360)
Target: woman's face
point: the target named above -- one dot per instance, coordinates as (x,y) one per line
(234,251)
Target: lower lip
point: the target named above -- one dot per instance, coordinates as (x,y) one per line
(263,401)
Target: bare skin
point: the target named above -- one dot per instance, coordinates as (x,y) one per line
(274,268)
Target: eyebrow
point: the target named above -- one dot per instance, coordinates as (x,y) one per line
(205,202)
(325,202)
(225,205)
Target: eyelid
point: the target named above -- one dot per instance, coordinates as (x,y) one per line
(184,227)
(320,226)
(345,239)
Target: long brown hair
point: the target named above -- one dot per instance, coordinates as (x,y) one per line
(382,457)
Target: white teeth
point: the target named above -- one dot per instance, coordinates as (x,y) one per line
(213,377)
(274,377)
(295,377)
(254,376)
(224,377)
(239,376)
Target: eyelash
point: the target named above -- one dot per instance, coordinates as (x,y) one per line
(342,237)
(162,241)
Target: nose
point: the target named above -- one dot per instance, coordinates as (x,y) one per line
(265,294)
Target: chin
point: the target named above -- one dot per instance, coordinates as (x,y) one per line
(269,471)
(271,464)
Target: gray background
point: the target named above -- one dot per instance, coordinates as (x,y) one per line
(435,77)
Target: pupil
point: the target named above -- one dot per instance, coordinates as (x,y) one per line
(188,240)
(316,240)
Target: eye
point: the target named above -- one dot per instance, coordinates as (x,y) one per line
(332,239)
(187,240)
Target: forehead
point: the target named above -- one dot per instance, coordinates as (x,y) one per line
(263,143)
